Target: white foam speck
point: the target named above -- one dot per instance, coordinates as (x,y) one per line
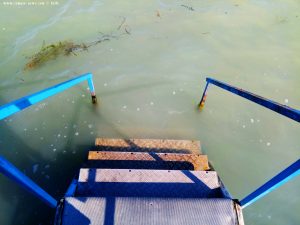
(105,84)
(244,126)
(138,109)
(3,28)
(35,129)
(91,132)
(65,136)
(269,217)
(268,143)
(286,101)
(54,149)
(90,126)
(76,133)
(62,115)
(42,138)
(174,92)
(151,103)
(66,127)
(64,152)
(73,101)
(25,129)
(258,120)
(35,168)
(58,135)
(83,96)
(125,107)
(260,140)
(252,120)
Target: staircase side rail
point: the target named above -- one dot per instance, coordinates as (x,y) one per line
(13,107)
(287,174)
(284,110)
(26,101)
(284,176)
(20,178)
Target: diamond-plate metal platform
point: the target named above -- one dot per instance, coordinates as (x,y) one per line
(149,211)
(151,160)
(148,145)
(149,183)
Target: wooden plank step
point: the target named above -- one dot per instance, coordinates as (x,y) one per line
(149,183)
(147,160)
(150,211)
(153,145)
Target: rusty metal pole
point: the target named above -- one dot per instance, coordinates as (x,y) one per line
(202,102)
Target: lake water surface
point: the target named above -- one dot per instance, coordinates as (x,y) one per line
(149,78)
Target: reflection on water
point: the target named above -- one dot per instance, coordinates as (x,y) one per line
(149,82)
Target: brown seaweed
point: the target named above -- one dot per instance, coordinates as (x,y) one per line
(68,48)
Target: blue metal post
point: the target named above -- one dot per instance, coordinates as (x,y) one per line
(280,179)
(92,90)
(24,102)
(277,107)
(16,175)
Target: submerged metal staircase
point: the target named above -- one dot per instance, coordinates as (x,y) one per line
(147,181)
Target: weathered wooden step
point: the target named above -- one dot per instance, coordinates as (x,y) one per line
(148,145)
(149,183)
(147,160)
(150,211)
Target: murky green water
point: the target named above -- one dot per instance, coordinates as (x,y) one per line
(149,82)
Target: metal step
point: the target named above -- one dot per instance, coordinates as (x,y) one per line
(150,211)
(147,160)
(149,183)
(148,145)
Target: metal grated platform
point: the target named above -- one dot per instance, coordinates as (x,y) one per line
(147,160)
(148,211)
(149,183)
(154,145)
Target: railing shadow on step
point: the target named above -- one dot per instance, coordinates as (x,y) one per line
(287,174)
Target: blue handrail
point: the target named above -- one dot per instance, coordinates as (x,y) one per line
(284,110)
(20,104)
(26,101)
(281,178)
(287,174)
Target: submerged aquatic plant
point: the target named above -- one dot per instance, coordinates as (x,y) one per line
(49,52)
(64,48)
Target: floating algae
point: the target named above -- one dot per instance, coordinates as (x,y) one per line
(62,48)
(49,52)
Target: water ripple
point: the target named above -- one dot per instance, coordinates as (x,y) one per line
(33,32)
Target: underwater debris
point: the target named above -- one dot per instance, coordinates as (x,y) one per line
(67,48)
(158,14)
(188,7)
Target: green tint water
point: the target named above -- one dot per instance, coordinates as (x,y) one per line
(148,83)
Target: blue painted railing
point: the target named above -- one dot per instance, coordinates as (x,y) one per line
(284,110)
(287,174)
(281,178)
(20,104)
(24,102)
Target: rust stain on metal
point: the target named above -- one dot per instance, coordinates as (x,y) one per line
(199,162)
(159,144)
